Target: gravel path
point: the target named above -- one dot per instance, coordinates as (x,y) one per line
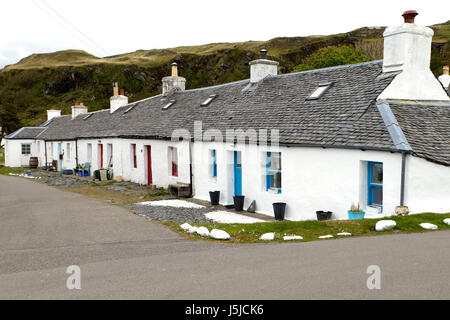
(173,214)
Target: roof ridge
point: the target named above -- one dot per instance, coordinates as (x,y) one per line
(345,66)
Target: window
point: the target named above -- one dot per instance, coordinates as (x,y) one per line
(68,151)
(109,154)
(26,149)
(133,155)
(213,162)
(375,184)
(168,105)
(89,152)
(273,171)
(208,101)
(173,154)
(323,87)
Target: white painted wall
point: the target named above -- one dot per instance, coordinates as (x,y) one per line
(123,164)
(427,186)
(67,147)
(13,152)
(317,179)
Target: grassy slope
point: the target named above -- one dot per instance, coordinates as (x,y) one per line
(311,230)
(58,79)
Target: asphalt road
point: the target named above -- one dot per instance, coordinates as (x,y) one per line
(44,230)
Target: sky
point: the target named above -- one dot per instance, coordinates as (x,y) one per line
(110,27)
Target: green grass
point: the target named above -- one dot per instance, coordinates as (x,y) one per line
(311,230)
(8,170)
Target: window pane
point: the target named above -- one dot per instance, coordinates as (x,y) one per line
(275,161)
(378,195)
(377,173)
(238,160)
(276,180)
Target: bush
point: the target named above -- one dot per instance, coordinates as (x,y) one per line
(332,56)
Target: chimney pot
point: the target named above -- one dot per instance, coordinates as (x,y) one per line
(446,69)
(76,103)
(122,92)
(409,16)
(263,54)
(174,69)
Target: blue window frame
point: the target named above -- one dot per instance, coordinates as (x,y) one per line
(375,184)
(273,171)
(214,163)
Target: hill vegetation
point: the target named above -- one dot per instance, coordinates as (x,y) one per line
(40,81)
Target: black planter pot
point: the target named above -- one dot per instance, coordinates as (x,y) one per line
(278,209)
(323,215)
(238,203)
(214,196)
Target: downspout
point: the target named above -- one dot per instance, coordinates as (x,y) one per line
(402,185)
(398,139)
(76,153)
(190,168)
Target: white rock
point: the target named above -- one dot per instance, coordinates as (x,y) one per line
(428,226)
(203,231)
(447,221)
(185,226)
(172,203)
(230,217)
(219,234)
(384,225)
(292,238)
(326,237)
(192,229)
(267,236)
(344,234)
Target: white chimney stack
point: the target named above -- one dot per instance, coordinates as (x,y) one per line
(407,49)
(78,108)
(445,77)
(53,113)
(173,82)
(262,67)
(117,100)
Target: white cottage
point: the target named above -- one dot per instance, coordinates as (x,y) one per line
(377,133)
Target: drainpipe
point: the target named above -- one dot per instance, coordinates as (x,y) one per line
(402,184)
(190,168)
(76,153)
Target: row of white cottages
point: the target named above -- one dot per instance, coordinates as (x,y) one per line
(377,133)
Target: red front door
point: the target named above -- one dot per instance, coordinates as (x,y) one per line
(100,146)
(149,166)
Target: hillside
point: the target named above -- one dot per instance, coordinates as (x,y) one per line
(40,81)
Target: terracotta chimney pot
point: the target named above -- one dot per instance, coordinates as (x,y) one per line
(409,16)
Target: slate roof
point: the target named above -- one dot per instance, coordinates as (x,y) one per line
(426,126)
(346,116)
(26,133)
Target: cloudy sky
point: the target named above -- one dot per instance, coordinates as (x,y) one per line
(108,27)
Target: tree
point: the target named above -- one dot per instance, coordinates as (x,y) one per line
(332,56)
(9,121)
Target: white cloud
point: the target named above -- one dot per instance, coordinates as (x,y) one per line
(122,26)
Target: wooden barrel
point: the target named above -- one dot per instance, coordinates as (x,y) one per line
(34,162)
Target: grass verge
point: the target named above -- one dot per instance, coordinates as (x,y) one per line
(8,170)
(311,230)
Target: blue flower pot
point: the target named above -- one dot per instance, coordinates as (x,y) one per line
(356,215)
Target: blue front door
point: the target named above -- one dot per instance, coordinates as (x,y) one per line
(237,173)
(59,157)
(375,184)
